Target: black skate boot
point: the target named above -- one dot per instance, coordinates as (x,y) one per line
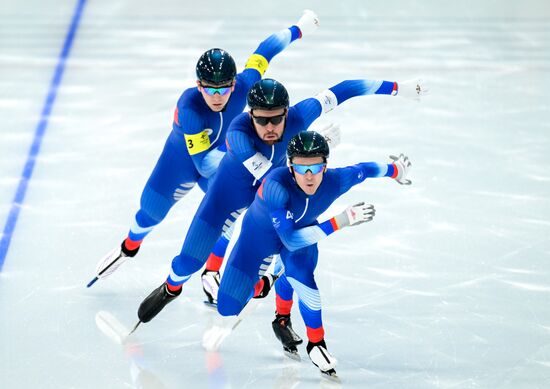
(153,304)
(282,327)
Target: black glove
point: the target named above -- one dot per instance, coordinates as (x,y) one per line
(263,286)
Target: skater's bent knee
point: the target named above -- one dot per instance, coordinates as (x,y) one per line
(228,306)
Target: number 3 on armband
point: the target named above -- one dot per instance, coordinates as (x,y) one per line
(197,143)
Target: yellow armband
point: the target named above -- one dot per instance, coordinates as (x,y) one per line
(258,62)
(197,143)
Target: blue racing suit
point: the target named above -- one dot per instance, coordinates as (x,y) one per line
(196,145)
(248,159)
(283,220)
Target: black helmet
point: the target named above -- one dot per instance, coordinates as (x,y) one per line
(307,144)
(267,94)
(216,66)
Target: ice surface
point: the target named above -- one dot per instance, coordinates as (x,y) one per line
(447,288)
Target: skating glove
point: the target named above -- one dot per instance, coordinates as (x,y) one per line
(308,23)
(356,214)
(402,165)
(412,89)
(332,134)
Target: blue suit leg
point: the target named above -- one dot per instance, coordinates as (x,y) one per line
(299,269)
(244,266)
(283,291)
(283,296)
(215,209)
(172,178)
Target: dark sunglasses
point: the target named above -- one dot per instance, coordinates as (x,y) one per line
(211,90)
(314,169)
(263,120)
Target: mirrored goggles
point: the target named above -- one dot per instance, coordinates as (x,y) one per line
(263,120)
(222,90)
(314,169)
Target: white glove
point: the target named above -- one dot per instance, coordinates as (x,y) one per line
(412,89)
(356,214)
(403,165)
(331,133)
(308,23)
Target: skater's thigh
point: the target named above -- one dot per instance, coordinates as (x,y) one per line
(250,250)
(301,264)
(174,174)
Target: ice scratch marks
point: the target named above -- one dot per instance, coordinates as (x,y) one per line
(544,363)
(535,177)
(444,226)
(537,222)
(392,273)
(420,293)
(508,196)
(518,271)
(480,280)
(521,285)
(528,286)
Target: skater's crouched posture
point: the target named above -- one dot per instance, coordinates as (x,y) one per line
(283,220)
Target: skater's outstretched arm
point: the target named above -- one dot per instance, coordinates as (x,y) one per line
(258,62)
(329,99)
(276,197)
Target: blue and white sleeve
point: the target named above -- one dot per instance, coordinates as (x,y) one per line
(196,140)
(295,239)
(282,219)
(211,161)
(353,175)
(311,108)
(336,95)
(257,63)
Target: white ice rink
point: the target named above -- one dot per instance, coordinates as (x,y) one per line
(449,286)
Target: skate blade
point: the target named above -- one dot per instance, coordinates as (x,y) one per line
(292,355)
(135,327)
(92,282)
(292,352)
(214,306)
(331,375)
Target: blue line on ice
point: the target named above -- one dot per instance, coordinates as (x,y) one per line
(40,130)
